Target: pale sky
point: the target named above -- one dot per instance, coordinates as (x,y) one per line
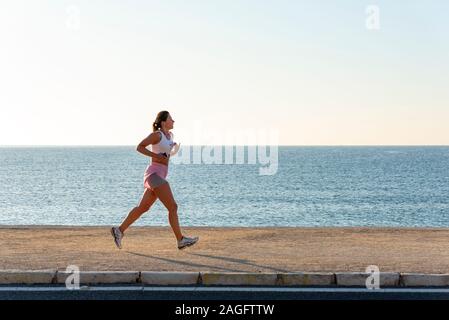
(97,72)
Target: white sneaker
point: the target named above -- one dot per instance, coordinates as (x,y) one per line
(117,235)
(187,242)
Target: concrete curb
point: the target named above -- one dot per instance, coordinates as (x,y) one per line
(358,279)
(238,279)
(304,279)
(170,278)
(100,277)
(27,276)
(424,280)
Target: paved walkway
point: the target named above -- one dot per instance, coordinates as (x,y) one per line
(228,249)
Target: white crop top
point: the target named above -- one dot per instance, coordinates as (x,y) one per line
(164,145)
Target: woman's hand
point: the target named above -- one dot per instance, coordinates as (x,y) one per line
(175,148)
(161,156)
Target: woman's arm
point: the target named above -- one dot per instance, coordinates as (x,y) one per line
(153,138)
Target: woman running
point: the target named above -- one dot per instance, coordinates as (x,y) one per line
(154,181)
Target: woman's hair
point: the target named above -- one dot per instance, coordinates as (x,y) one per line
(161,116)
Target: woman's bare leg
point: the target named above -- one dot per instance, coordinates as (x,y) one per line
(148,198)
(163,192)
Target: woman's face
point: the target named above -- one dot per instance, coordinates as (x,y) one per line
(169,122)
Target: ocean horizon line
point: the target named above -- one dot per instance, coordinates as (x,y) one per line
(226,145)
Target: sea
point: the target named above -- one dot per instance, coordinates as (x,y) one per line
(311,186)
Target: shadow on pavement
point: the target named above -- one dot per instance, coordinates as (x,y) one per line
(190,264)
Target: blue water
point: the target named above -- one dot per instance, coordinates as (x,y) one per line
(314,186)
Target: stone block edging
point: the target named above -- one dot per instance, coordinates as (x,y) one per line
(101,277)
(359,279)
(299,279)
(27,276)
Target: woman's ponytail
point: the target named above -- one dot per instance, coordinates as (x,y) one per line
(161,116)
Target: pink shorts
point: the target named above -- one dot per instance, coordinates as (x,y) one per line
(155,175)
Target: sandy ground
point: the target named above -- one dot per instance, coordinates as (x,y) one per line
(227,249)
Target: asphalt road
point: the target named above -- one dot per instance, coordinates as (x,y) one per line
(216,293)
